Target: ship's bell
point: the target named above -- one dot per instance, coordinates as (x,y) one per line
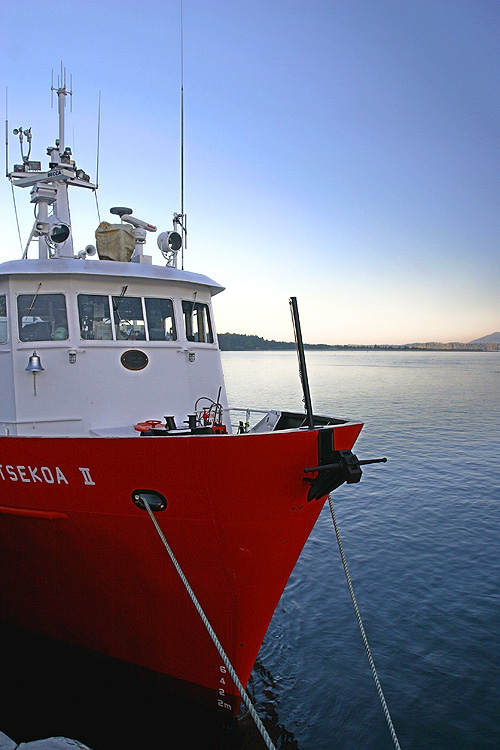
(34,364)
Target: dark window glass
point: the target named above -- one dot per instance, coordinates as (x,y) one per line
(197,322)
(3,319)
(95,320)
(160,317)
(129,318)
(42,317)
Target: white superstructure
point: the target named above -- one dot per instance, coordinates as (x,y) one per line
(91,347)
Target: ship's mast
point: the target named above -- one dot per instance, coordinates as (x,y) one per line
(51,188)
(59,156)
(62,92)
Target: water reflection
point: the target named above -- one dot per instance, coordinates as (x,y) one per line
(48,688)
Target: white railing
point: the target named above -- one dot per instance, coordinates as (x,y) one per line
(251,420)
(241,419)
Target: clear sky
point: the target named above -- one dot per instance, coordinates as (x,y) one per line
(346,152)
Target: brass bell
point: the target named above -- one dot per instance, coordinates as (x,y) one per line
(34,364)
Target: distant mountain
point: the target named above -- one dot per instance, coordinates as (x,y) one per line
(493,338)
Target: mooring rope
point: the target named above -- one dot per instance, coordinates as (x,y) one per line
(260,726)
(363,634)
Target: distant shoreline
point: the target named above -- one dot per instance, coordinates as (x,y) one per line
(242,342)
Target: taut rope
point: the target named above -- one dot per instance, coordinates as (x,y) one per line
(363,634)
(260,726)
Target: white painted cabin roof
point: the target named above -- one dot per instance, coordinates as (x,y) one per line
(107,268)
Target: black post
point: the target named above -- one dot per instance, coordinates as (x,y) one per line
(302,361)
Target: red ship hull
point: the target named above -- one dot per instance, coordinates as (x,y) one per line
(79,561)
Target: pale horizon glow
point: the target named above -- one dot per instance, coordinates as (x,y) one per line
(343,153)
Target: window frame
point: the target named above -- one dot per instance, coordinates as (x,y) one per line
(115,311)
(173,316)
(6,316)
(112,312)
(23,313)
(110,317)
(209,335)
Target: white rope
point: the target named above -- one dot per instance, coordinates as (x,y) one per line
(363,634)
(211,632)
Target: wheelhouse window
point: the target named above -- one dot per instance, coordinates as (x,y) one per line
(129,318)
(3,319)
(197,322)
(122,318)
(42,317)
(160,317)
(95,320)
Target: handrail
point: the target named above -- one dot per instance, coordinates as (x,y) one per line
(40,421)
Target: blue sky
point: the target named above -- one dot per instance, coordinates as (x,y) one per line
(343,152)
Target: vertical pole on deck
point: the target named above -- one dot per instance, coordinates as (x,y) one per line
(302,361)
(183,218)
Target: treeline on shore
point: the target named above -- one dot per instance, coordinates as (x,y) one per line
(239,342)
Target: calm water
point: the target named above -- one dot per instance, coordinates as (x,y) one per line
(421,535)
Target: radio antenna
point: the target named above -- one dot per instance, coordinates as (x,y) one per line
(7,165)
(97,156)
(182,145)
(6,134)
(98,141)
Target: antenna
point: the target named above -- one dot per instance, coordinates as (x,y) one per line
(7,168)
(98,141)
(97,156)
(6,137)
(62,92)
(182,144)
